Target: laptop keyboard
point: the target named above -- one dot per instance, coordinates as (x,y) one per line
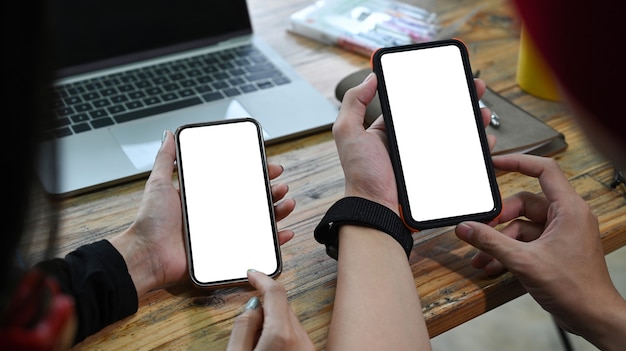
(143,92)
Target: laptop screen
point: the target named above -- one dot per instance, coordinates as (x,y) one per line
(98,34)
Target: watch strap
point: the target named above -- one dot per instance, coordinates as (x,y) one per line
(362,212)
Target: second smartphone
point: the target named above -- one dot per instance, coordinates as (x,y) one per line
(228,212)
(436,136)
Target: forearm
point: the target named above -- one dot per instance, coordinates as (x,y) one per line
(605,326)
(95,276)
(376,304)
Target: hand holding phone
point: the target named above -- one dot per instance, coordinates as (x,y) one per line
(436,136)
(228,212)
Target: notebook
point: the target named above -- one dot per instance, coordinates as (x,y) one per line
(130,69)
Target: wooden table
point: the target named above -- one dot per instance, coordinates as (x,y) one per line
(452,291)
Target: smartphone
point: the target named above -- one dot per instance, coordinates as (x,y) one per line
(436,136)
(228,211)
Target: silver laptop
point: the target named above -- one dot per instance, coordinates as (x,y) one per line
(131,69)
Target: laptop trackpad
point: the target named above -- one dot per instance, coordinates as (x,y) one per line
(140,140)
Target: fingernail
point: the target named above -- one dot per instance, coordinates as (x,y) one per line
(369,76)
(253,303)
(252,270)
(465,230)
(163,136)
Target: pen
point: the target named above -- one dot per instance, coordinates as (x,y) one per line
(495,120)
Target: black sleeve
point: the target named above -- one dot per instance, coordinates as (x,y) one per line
(98,279)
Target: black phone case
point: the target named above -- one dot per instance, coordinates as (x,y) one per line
(404,207)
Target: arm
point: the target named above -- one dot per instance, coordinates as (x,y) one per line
(107,278)
(95,275)
(551,243)
(376,304)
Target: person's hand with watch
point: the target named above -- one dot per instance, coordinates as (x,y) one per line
(376,303)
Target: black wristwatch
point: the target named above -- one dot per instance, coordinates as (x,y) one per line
(363,212)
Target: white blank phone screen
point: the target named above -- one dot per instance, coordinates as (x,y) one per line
(228,207)
(436,131)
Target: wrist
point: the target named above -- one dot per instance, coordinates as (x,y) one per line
(361,241)
(604,326)
(138,261)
